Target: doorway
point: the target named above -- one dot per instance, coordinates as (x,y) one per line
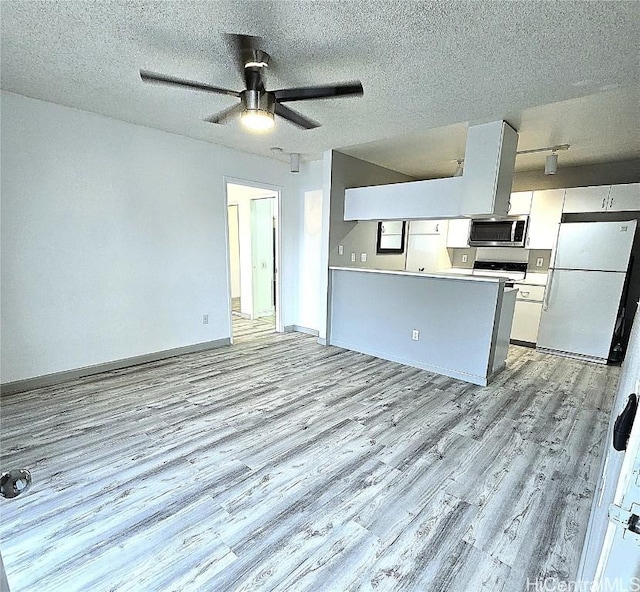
(253,235)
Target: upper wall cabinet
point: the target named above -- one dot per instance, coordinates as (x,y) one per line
(586,199)
(544,221)
(624,198)
(602,198)
(458,233)
(427,227)
(520,203)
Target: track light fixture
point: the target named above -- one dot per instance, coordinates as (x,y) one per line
(551,164)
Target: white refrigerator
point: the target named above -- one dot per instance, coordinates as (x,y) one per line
(584,288)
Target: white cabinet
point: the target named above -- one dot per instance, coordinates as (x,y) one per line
(458,233)
(603,198)
(520,203)
(526,321)
(586,199)
(427,227)
(526,316)
(624,198)
(544,221)
(392,227)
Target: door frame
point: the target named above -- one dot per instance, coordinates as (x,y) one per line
(278,254)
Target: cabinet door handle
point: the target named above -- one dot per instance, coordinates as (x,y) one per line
(610,202)
(525,294)
(603,200)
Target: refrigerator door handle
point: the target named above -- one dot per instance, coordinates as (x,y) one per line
(547,292)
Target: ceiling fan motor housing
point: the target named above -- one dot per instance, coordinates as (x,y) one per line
(255,100)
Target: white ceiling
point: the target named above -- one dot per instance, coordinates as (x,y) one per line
(559,72)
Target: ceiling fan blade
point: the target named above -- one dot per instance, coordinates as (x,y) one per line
(153,77)
(319,92)
(295,117)
(226,115)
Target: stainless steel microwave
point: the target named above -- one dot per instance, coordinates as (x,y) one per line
(501,232)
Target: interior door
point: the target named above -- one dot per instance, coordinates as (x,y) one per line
(262,250)
(619,560)
(610,549)
(234,256)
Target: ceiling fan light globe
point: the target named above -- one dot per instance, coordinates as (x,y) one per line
(257,120)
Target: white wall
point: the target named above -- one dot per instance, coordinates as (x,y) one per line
(113,238)
(310,245)
(341,171)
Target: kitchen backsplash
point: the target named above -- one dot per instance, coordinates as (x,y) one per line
(534,255)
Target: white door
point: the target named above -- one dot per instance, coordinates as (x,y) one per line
(620,557)
(234,251)
(586,199)
(262,251)
(595,245)
(580,310)
(624,198)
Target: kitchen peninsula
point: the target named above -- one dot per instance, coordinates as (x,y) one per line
(462,322)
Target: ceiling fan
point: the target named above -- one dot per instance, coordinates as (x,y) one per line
(258,106)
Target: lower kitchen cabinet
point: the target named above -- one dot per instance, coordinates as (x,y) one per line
(526,321)
(526,316)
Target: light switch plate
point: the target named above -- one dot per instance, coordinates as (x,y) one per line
(465,258)
(363,257)
(353,257)
(340,249)
(539,262)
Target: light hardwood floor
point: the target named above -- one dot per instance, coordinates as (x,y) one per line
(278,464)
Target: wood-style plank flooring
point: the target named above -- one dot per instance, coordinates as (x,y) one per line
(278,464)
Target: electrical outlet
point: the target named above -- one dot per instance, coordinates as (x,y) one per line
(465,258)
(363,257)
(340,249)
(415,335)
(353,257)
(539,262)
(205,319)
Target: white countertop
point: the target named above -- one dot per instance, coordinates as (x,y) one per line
(437,275)
(531,279)
(534,279)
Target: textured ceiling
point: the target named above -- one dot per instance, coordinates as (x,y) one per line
(560,72)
